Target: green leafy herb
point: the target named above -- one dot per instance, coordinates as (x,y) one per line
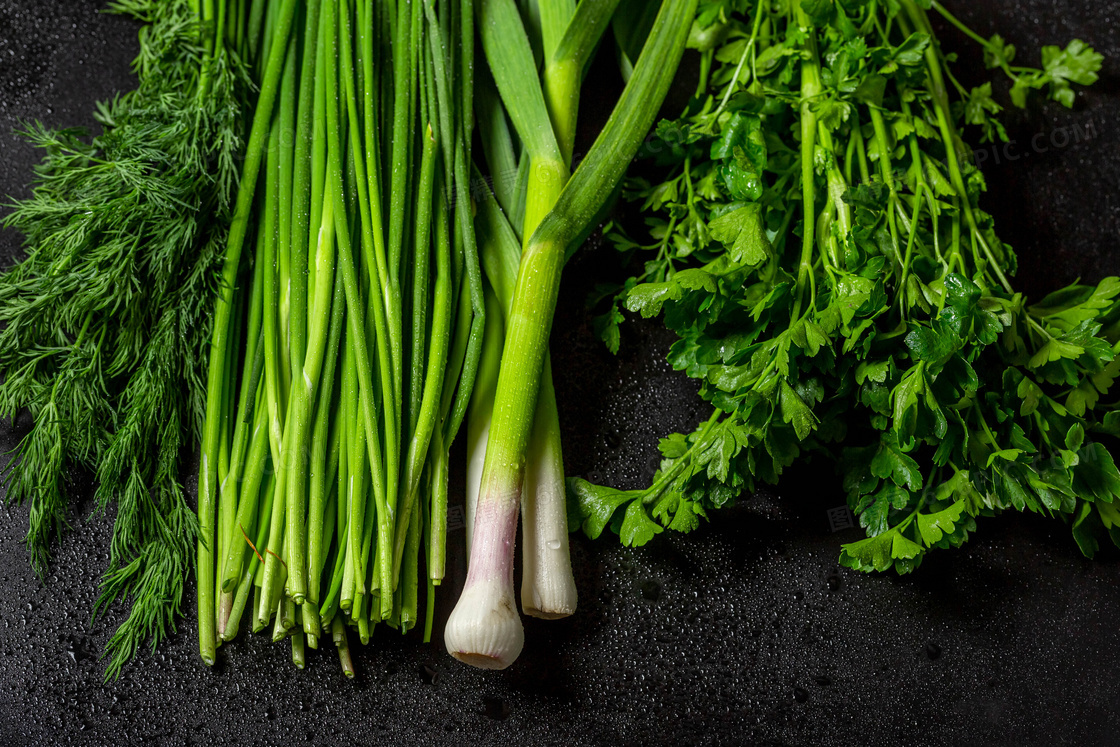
(820,251)
(105,323)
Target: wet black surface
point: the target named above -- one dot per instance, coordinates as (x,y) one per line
(743,632)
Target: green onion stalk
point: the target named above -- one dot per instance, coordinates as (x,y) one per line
(484,629)
(569,35)
(544,115)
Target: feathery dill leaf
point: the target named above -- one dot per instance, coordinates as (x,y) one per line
(104,325)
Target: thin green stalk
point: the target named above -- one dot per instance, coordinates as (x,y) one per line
(324,450)
(250,496)
(301,186)
(421,266)
(330,603)
(246,414)
(439,469)
(275,572)
(242,543)
(378,271)
(207,482)
(254,37)
(300,424)
(299,651)
(342,415)
(338,631)
(267,255)
(279,630)
(257,627)
(314,595)
(439,342)
(886,171)
(286,120)
(410,573)
(439,72)
(810,89)
(276,565)
(464,321)
(227,506)
(949,136)
(364,628)
(355,470)
(318,157)
(465,239)
(403,86)
(426,541)
(373,581)
(356,322)
(466,69)
(363,587)
(390,387)
(240,598)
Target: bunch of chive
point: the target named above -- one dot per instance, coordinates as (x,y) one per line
(346,339)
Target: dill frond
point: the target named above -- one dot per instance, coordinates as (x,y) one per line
(104,325)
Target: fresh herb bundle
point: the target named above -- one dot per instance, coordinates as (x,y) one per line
(106,322)
(817,242)
(348,330)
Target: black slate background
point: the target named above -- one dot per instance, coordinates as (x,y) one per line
(745,631)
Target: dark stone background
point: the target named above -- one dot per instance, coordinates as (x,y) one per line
(744,632)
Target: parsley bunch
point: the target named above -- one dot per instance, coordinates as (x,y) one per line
(816,241)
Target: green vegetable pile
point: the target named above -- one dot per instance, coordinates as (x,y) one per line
(271,252)
(816,239)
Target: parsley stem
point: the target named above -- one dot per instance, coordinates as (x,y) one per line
(666,479)
(706,58)
(810,89)
(886,172)
(937,90)
(748,51)
(861,155)
(985,43)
